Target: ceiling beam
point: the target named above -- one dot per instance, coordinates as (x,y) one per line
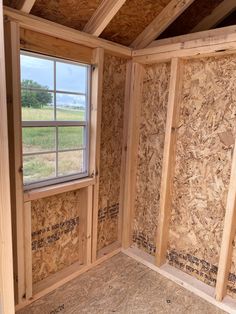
(167,16)
(217,15)
(37,24)
(25,5)
(222,32)
(102,16)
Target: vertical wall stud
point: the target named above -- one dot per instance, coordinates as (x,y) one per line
(28,251)
(134,80)
(86,201)
(12,47)
(6,269)
(228,235)
(175,89)
(96,115)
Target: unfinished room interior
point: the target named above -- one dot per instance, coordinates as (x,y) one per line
(117,159)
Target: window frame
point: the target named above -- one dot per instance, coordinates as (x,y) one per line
(61,123)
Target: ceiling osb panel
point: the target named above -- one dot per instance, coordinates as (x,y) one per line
(132,19)
(71,13)
(229,20)
(10,3)
(190,18)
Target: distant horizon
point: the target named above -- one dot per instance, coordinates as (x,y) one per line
(69,77)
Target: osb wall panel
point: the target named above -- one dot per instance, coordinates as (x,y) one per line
(150,154)
(55,233)
(205,141)
(132,19)
(111,149)
(71,13)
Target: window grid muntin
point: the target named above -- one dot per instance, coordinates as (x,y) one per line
(58,123)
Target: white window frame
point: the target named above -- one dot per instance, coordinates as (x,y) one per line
(56,124)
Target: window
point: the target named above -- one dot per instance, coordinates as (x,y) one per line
(55,119)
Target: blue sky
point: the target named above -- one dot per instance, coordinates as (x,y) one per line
(69,77)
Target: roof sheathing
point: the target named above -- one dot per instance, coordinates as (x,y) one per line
(133,17)
(71,13)
(190,18)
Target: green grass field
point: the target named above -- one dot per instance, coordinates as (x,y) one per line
(43,139)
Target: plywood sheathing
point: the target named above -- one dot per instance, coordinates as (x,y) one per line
(71,13)
(132,19)
(231,287)
(205,140)
(150,155)
(10,3)
(111,149)
(190,18)
(121,285)
(55,233)
(229,20)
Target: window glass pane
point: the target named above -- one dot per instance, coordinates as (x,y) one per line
(70,107)
(70,162)
(39,139)
(37,105)
(40,167)
(70,137)
(71,77)
(37,72)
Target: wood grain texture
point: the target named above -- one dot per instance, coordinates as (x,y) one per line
(121,285)
(111,149)
(228,235)
(168,164)
(133,91)
(71,13)
(217,15)
(205,139)
(150,152)
(95,138)
(55,233)
(6,262)
(12,53)
(161,22)
(102,16)
(132,19)
(190,18)
(56,47)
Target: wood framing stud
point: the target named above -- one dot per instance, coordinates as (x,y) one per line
(167,16)
(228,235)
(56,47)
(86,201)
(217,15)
(6,263)
(12,46)
(214,42)
(134,81)
(96,116)
(28,250)
(175,89)
(46,27)
(25,5)
(102,16)
(208,35)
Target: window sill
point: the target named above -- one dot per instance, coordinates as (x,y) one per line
(57,189)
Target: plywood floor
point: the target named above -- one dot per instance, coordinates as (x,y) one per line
(121,285)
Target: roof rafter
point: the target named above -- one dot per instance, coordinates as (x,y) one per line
(168,15)
(217,15)
(102,16)
(25,5)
